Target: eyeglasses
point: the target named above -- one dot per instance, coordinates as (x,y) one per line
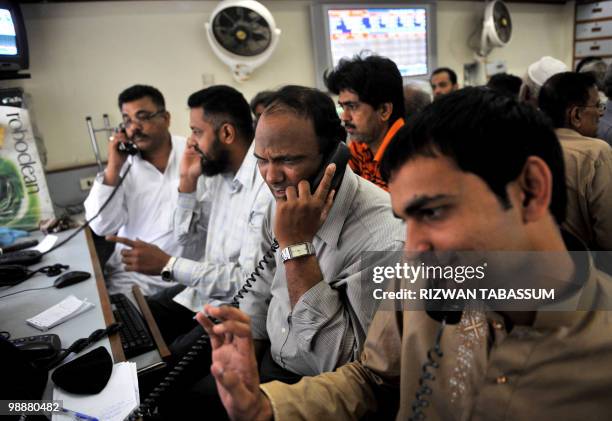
(601,106)
(141,117)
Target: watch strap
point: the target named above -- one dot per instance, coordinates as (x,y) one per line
(166,272)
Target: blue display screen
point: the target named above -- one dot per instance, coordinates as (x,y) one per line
(8,38)
(399,34)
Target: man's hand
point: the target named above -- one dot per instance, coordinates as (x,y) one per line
(190,168)
(141,257)
(300,216)
(116,159)
(234,364)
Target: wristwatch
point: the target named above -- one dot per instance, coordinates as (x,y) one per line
(297,250)
(166,273)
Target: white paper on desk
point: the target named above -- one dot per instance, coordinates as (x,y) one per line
(113,403)
(68,308)
(46,244)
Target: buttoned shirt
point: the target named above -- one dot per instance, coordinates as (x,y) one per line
(552,370)
(327,326)
(588,176)
(365,163)
(226,217)
(141,209)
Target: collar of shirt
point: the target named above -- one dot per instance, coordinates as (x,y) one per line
(584,298)
(331,228)
(387,139)
(139,160)
(570,134)
(245,176)
(363,150)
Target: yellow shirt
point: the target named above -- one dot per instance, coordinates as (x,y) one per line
(588,176)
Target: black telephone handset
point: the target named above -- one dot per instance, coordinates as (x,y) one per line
(39,349)
(340,156)
(128,147)
(421,401)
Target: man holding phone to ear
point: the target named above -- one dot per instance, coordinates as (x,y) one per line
(222,204)
(308,307)
(146,198)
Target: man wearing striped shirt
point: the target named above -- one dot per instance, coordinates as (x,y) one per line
(371,96)
(311,307)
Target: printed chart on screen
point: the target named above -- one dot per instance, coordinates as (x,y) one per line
(399,34)
(8,41)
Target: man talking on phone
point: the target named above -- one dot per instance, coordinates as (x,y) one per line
(141,207)
(308,307)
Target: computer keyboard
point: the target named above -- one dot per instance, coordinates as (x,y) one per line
(135,336)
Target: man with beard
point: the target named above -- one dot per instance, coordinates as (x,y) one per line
(370,92)
(309,305)
(145,198)
(222,202)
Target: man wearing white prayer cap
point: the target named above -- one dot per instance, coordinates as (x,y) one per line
(537,74)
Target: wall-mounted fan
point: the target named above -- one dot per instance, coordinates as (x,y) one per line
(496,27)
(243,34)
(496,31)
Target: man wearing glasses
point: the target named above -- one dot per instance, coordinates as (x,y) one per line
(572,102)
(144,202)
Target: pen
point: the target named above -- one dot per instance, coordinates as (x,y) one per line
(79,415)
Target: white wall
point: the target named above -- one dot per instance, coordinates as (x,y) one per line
(83,54)
(538,30)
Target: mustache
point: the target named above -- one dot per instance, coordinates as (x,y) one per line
(349,126)
(199,151)
(138,134)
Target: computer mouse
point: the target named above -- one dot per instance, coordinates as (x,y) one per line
(70,278)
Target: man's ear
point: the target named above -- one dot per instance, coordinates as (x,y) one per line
(167,117)
(227,133)
(384,110)
(574,117)
(535,183)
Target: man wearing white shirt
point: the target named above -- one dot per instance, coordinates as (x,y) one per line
(143,204)
(222,205)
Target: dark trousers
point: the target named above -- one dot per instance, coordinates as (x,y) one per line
(176,323)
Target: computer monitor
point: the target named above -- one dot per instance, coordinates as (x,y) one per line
(403,32)
(13,40)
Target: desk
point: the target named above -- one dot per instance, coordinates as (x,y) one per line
(80,254)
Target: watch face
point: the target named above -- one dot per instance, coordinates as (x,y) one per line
(299,250)
(166,275)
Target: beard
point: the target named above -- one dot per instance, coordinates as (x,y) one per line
(216,162)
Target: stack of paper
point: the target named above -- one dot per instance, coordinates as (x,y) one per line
(70,307)
(113,403)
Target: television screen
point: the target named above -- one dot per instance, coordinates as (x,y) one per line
(403,31)
(8,37)
(399,34)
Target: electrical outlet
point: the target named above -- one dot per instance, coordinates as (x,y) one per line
(86,183)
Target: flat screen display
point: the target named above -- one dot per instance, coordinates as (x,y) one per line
(397,33)
(8,37)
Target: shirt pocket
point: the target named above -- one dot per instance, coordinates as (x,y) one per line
(256,219)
